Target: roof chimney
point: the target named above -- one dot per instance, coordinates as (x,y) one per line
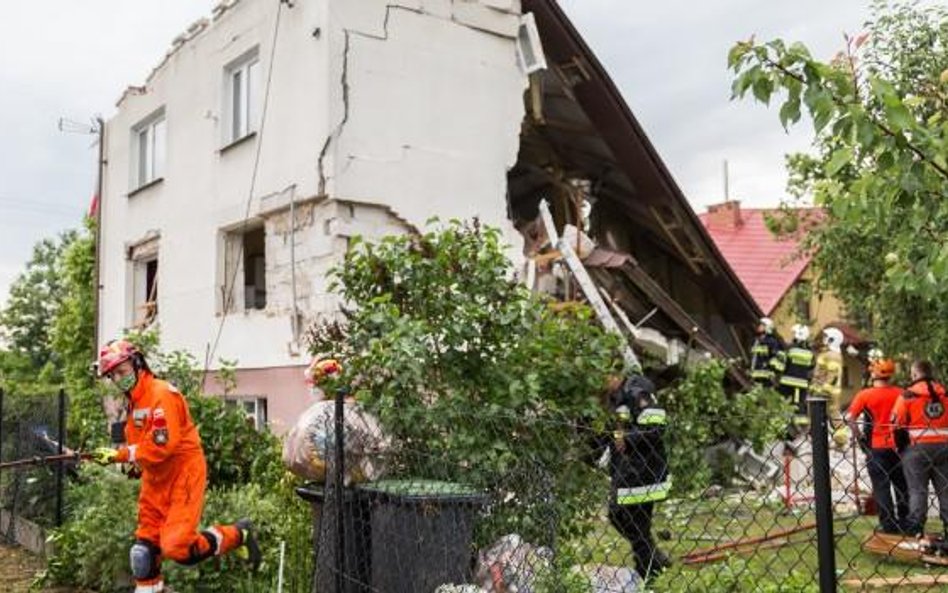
(726,215)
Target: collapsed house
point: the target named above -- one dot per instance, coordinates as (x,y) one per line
(273,133)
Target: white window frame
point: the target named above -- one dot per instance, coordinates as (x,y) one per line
(242,96)
(149,150)
(252,405)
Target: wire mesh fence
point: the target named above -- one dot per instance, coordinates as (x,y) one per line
(435,512)
(31,429)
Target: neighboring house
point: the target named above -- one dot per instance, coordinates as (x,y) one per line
(273,133)
(779,275)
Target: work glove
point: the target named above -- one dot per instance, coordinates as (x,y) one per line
(104,455)
(842,436)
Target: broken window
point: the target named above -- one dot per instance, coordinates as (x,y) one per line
(244,286)
(144,279)
(149,144)
(242,97)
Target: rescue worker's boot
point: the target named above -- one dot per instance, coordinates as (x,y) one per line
(249,548)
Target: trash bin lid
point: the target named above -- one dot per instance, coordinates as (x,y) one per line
(424,491)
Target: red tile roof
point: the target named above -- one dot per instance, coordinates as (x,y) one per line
(768,265)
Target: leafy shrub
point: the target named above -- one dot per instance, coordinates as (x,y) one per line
(476,379)
(701,413)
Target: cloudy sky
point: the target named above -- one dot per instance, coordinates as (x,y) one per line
(69,59)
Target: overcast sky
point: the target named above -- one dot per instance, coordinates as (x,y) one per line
(66,58)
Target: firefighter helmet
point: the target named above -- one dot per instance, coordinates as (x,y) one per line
(874,355)
(766,325)
(882,368)
(833,338)
(113,354)
(801,333)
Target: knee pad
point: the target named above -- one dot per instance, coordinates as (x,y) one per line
(145,559)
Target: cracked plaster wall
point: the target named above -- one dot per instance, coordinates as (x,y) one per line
(427,100)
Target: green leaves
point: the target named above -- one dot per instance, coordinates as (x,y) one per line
(474,378)
(878,167)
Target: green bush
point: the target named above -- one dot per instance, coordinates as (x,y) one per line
(701,413)
(476,379)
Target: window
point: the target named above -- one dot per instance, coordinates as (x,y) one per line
(254,407)
(243,97)
(145,289)
(149,143)
(802,296)
(246,266)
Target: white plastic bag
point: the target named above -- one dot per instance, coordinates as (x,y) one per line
(309,447)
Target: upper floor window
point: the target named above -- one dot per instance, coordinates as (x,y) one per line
(242,97)
(149,145)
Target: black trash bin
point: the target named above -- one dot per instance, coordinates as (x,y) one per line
(357,567)
(421,534)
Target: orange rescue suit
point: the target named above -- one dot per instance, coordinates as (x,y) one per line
(921,412)
(163,441)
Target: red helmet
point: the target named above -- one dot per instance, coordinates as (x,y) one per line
(115,353)
(320,368)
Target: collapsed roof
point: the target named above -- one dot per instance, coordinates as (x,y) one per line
(580,142)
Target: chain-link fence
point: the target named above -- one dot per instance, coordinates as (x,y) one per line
(32,428)
(439,513)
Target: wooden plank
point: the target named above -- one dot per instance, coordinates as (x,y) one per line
(915,580)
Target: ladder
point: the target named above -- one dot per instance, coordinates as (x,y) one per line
(587,285)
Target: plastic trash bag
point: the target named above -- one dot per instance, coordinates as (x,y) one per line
(309,447)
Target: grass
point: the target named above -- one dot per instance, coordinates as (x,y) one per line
(690,526)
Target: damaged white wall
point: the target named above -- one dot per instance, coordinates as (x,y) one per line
(428,106)
(380,115)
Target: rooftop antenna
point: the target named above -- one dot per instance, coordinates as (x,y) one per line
(727,190)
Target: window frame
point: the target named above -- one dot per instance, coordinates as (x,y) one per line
(260,412)
(149,150)
(241,99)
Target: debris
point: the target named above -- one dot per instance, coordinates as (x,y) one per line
(918,580)
(511,565)
(611,579)
(745,545)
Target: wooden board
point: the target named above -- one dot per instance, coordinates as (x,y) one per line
(903,549)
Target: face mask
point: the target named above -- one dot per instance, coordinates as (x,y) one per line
(127,383)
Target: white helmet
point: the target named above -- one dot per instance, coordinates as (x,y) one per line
(801,333)
(874,355)
(768,324)
(833,338)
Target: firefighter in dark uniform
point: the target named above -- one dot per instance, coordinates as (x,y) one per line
(794,367)
(638,468)
(765,349)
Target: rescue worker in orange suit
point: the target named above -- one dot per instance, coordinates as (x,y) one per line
(794,367)
(763,353)
(638,467)
(163,442)
(921,432)
(868,419)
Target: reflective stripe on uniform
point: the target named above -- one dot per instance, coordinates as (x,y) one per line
(651,417)
(760,349)
(643,494)
(801,420)
(131,453)
(154,588)
(794,382)
(926,432)
(800,356)
(762,374)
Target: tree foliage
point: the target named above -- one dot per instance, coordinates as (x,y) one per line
(34,301)
(475,379)
(879,165)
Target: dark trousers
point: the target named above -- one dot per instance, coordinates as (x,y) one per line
(634,523)
(885,473)
(924,463)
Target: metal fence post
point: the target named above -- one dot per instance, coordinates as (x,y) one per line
(823,495)
(61,438)
(338,477)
